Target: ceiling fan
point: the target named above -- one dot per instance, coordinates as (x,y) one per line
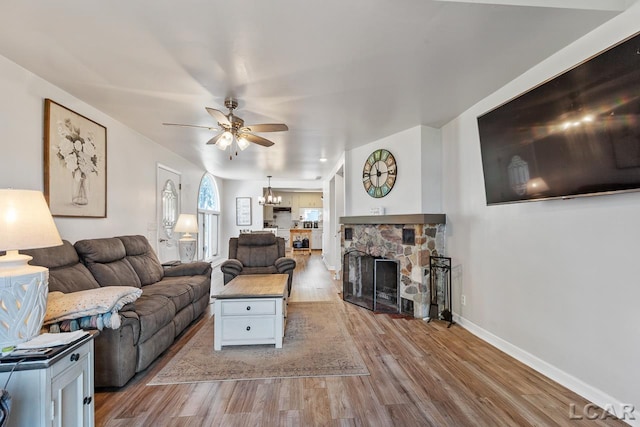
(232,129)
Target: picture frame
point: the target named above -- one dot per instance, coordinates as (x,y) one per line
(75,163)
(243,210)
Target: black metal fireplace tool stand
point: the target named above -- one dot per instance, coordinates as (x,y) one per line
(440,279)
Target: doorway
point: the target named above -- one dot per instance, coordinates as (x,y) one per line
(168,196)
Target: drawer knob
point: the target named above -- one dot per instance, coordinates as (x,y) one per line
(87,400)
(248,328)
(248,307)
(75,357)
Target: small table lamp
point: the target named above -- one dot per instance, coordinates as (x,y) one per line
(187,224)
(25,223)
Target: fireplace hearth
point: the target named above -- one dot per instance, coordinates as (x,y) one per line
(371,282)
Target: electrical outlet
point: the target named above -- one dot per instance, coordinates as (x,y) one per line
(463,299)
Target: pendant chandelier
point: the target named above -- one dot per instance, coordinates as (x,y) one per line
(269,199)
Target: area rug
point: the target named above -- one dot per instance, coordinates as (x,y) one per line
(316,344)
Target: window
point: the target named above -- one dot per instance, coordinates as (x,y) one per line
(310,214)
(208,218)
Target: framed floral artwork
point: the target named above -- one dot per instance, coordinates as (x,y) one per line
(75,163)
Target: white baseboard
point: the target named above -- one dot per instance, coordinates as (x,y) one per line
(592,394)
(329,267)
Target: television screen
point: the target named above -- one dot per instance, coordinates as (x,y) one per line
(574,135)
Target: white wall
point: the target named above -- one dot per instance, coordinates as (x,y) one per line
(233,189)
(131,158)
(332,228)
(418,184)
(431,169)
(554,282)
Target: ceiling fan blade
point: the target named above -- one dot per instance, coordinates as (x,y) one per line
(219,116)
(215,139)
(256,139)
(267,127)
(190,126)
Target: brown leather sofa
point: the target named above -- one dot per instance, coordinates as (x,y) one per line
(257,253)
(171,298)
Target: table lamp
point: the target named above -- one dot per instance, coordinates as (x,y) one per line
(187,224)
(25,223)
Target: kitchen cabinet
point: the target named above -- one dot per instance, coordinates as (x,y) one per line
(299,200)
(286,199)
(285,234)
(295,206)
(53,392)
(316,238)
(268,213)
(310,200)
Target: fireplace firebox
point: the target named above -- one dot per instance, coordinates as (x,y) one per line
(371,282)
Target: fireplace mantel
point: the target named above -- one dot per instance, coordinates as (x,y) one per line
(395,219)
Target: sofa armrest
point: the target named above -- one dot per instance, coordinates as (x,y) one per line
(232,266)
(129,307)
(198,268)
(129,314)
(284,264)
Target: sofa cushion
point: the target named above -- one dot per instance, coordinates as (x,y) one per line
(101,250)
(143,259)
(201,286)
(73,278)
(174,288)
(106,260)
(53,257)
(154,312)
(66,273)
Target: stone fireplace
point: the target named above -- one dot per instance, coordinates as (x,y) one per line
(409,239)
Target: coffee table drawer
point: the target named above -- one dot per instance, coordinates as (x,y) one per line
(248,307)
(248,328)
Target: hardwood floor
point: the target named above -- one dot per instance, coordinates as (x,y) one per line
(422,374)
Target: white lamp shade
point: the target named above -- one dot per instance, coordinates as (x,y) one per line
(225,140)
(187,223)
(243,144)
(25,221)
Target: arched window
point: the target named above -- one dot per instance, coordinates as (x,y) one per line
(208,217)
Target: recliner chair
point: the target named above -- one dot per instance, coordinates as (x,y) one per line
(257,253)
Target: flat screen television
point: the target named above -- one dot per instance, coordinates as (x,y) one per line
(576,134)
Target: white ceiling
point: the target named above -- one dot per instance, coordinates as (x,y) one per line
(339,73)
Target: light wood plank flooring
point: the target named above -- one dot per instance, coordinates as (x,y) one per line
(422,374)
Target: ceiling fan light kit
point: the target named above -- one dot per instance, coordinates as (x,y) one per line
(243,143)
(234,130)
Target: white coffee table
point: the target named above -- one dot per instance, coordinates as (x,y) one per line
(251,310)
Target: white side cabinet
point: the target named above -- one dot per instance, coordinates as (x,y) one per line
(316,238)
(249,321)
(56,392)
(251,309)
